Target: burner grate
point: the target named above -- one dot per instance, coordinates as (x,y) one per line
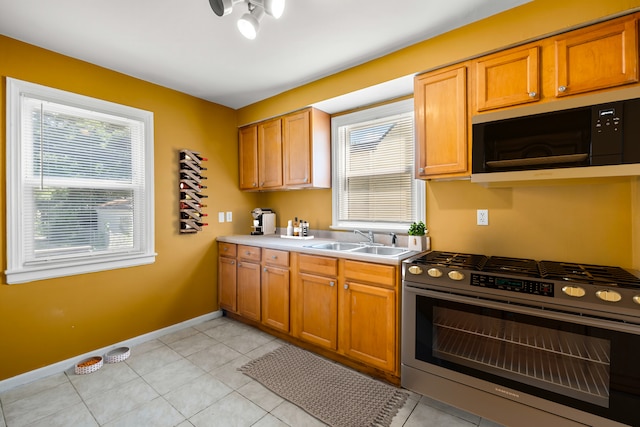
(453,259)
(526,267)
(585,273)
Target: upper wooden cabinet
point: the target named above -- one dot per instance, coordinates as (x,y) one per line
(248,157)
(597,57)
(307,149)
(291,151)
(507,78)
(441,123)
(594,58)
(270,154)
(260,156)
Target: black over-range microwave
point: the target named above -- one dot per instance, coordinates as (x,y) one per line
(590,140)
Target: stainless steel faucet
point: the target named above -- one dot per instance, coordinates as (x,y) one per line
(394,239)
(369,235)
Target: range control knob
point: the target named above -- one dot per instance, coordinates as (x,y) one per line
(434,272)
(636,299)
(574,291)
(414,269)
(455,275)
(609,295)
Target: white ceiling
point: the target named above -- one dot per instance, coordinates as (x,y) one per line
(183,45)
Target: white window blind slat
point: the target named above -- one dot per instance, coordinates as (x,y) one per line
(374,167)
(82,186)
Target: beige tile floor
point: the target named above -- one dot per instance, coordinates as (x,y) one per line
(187,378)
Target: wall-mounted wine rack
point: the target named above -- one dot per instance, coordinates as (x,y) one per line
(191,186)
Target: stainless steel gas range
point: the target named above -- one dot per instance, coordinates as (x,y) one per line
(523,342)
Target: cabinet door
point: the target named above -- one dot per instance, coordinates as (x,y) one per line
(227,294)
(318,307)
(275,298)
(270,154)
(441,123)
(248,285)
(507,78)
(368,331)
(248,157)
(597,57)
(297,148)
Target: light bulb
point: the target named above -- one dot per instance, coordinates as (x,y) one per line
(248,26)
(274,8)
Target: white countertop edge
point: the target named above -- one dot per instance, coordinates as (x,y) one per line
(291,245)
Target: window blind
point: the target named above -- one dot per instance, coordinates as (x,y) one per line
(82,185)
(375,170)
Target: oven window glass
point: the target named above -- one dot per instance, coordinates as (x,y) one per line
(560,361)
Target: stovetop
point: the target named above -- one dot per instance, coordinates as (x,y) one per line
(549,270)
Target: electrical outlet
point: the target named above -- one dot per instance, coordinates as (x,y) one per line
(483,217)
(229,216)
(220,216)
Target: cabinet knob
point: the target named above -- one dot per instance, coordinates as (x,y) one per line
(306,180)
(254,184)
(233,262)
(275,257)
(264,269)
(225,249)
(262,184)
(346,286)
(332,283)
(421,170)
(562,89)
(533,94)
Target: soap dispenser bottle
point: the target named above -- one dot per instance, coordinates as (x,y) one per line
(290,228)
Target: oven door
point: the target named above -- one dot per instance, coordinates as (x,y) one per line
(591,365)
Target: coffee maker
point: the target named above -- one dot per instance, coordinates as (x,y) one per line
(264,221)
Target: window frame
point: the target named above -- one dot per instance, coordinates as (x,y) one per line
(18,270)
(373,113)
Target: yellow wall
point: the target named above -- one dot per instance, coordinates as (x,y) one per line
(51,320)
(591,223)
(48,321)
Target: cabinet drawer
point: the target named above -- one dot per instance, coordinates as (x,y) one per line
(227,249)
(318,265)
(275,257)
(370,273)
(249,253)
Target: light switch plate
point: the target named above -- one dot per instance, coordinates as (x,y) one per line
(229,216)
(220,216)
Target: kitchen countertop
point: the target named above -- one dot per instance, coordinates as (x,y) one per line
(295,245)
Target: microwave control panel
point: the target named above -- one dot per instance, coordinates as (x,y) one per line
(606,134)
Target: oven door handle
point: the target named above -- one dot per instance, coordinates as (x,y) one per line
(531,311)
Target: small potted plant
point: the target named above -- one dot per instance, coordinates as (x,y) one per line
(417,236)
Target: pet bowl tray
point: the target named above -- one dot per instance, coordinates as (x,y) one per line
(117,355)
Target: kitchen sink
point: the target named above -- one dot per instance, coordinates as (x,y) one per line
(380,250)
(336,246)
(360,248)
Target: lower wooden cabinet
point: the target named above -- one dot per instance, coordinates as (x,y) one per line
(344,306)
(249,290)
(368,326)
(227,277)
(349,307)
(317,304)
(275,290)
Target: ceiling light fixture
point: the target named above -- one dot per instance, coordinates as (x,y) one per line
(249,23)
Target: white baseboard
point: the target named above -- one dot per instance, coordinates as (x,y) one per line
(63,365)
